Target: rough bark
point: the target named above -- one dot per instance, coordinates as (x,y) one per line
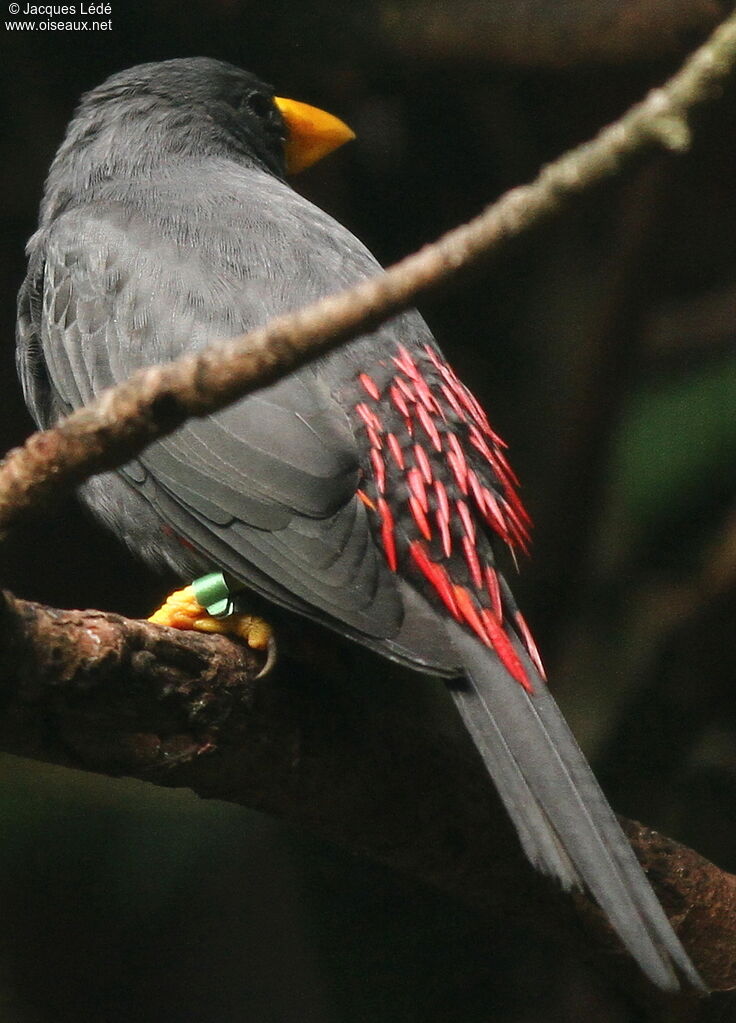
(103,693)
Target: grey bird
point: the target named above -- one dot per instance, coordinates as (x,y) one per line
(365,491)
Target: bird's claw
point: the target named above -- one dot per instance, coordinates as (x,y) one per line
(271,652)
(182,610)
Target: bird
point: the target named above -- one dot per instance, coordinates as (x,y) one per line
(366,490)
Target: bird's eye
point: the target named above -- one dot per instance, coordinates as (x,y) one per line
(257,103)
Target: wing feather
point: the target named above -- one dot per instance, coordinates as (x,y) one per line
(266,488)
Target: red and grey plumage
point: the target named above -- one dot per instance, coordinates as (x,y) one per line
(438,482)
(366,490)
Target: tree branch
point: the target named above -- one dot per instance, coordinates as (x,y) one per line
(156,401)
(102,693)
(549,34)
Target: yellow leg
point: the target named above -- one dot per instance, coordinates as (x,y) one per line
(181,610)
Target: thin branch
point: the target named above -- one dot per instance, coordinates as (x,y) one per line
(102,693)
(156,401)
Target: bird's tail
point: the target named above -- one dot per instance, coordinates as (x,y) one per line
(565,825)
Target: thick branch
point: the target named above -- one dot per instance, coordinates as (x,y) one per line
(123,421)
(100,692)
(545,33)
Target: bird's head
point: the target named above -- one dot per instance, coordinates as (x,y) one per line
(188,107)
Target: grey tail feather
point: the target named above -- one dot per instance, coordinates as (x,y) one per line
(565,825)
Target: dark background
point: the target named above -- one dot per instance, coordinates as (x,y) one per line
(603,346)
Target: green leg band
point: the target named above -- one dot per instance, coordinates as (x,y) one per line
(213,593)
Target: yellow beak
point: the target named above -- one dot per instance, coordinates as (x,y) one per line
(311,133)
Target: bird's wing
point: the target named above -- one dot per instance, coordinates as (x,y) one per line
(267,487)
(28,353)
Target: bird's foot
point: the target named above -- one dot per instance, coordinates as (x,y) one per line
(182,610)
